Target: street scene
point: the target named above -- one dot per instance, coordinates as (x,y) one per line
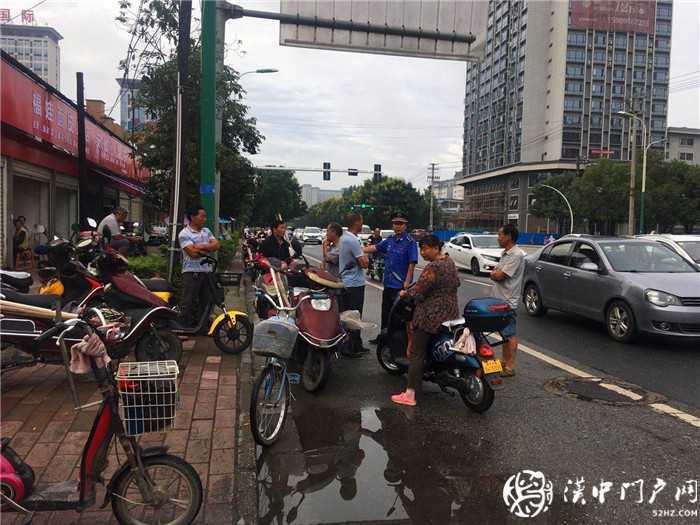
(349,262)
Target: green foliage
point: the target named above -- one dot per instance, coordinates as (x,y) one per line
(276,192)
(673,195)
(384,198)
(548,203)
(149,266)
(227,251)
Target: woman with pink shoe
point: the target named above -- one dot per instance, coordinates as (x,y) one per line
(436,302)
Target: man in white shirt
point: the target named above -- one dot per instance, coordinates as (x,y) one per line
(110,229)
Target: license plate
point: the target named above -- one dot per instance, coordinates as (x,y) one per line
(492,366)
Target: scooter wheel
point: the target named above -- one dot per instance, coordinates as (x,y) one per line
(476,393)
(386,361)
(234,339)
(150,348)
(316,370)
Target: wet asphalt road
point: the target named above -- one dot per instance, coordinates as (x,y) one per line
(348,455)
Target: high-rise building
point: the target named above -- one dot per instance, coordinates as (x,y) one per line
(683,144)
(131,115)
(313,195)
(546,98)
(35,47)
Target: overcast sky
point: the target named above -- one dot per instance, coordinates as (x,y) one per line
(351,109)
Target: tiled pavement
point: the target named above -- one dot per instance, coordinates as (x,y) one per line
(37,413)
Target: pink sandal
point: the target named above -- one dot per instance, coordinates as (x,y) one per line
(403,399)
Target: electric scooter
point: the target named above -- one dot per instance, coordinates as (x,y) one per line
(152,486)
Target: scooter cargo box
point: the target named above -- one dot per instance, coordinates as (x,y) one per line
(275,337)
(488,314)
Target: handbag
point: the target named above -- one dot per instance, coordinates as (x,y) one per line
(466,344)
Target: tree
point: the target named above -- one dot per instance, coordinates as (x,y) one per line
(156,144)
(548,203)
(276,192)
(673,195)
(601,195)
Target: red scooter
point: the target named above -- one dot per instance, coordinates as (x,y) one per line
(152,486)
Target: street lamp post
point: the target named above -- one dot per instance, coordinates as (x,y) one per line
(645,148)
(259,72)
(571,212)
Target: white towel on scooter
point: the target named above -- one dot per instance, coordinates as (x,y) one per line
(80,353)
(466,344)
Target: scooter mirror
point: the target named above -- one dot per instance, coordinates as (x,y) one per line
(92,222)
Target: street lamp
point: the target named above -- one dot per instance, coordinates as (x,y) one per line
(644,168)
(259,71)
(571,212)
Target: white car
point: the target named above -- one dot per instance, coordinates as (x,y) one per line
(386,233)
(687,246)
(312,235)
(365,234)
(477,253)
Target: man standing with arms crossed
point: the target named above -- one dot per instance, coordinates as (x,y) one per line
(508,285)
(352,262)
(400,257)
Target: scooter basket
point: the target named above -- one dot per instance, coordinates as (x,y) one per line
(488,314)
(275,337)
(148,392)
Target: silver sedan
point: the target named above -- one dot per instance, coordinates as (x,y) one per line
(632,285)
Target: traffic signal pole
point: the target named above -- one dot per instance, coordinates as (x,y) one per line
(207,152)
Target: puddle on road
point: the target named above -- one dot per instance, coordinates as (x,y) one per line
(374,465)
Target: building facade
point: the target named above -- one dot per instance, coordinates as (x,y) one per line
(546,98)
(313,195)
(131,115)
(683,144)
(35,47)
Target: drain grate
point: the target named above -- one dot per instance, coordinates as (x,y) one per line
(605,391)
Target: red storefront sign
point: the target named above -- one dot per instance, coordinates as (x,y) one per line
(605,15)
(28,106)
(599,151)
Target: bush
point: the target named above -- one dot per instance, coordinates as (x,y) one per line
(149,266)
(227,250)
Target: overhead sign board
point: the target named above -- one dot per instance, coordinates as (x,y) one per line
(624,15)
(440,19)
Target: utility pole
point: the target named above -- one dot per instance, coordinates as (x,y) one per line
(86,202)
(207,162)
(633,175)
(431,181)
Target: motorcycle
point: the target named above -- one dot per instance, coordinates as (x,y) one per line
(475,376)
(166,486)
(17,281)
(375,270)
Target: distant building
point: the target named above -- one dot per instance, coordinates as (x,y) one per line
(449,197)
(96,109)
(35,47)
(130,113)
(313,195)
(683,144)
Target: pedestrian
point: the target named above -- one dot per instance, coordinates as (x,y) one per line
(508,284)
(276,245)
(21,252)
(436,302)
(195,240)
(110,229)
(400,253)
(353,262)
(331,248)
(376,237)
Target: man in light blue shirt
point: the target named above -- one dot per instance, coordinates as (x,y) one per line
(352,262)
(195,240)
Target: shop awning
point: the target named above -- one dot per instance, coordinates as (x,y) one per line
(125,184)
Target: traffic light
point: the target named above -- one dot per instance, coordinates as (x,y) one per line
(377,173)
(326,171)
(352,172)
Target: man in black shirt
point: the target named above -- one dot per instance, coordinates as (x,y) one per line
(276,245)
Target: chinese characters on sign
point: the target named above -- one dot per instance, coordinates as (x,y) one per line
(4,16)
(623,15)
(27,16)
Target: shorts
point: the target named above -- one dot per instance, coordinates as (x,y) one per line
(511,328)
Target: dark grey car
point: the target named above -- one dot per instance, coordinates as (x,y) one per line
(632,285)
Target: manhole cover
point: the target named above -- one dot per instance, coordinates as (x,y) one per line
(606,391)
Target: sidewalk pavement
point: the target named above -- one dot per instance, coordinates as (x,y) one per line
(210,430)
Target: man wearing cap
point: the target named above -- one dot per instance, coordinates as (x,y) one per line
(400,257)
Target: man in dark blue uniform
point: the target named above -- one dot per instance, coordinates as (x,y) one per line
(400,257)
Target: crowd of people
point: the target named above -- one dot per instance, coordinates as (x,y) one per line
(435,290)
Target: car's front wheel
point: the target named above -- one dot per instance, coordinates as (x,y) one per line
(475,266)
(620,322)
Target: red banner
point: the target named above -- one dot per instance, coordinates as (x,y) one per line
(605,15)
(28,106)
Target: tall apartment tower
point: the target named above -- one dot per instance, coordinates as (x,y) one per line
(131,114)
(35,47)
(545,98)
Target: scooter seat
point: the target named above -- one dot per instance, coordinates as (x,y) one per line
(15,275)
(454,323)
(158,284)
(18,280)
(42,301)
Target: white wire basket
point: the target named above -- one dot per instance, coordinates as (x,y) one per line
(148,392)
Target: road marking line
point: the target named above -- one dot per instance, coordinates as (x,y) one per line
(553,362)
(622,391)
(667,409)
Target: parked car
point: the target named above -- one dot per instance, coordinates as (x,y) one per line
(476,253)
(633,285)
(385,234)
(298,233)
(365,234)
(312,235)
(686,245)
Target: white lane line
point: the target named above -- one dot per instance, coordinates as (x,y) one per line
(659,407)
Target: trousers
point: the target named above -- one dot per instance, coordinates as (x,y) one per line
(415,367)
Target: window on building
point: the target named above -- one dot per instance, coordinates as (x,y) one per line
(515,182)
(639,74)
(572,136)
(616,122)
(597,88)
(596,104)
(660,91)
(575,54)
(595,139)
(572,119)
(598,72)
(640,42)
(577,38)
(618,89)
(687,141)
(572,86)
(569,153)
(599,55)
(663,43)
(596,121)
(663,28)
(616,105)
(658,123)
(615,139)
(572,103)
(658,107)
(661,75)
(686,155)
(661,59)
(620,57)
(600,39)
(640,59)
(619,74)
(663,11)
(513,202)
(621,40)
(574,71)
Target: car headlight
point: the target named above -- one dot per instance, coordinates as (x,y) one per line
(662,299)
(490,258)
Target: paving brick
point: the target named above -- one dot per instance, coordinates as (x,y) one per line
(23,441)
(213,359)
(10,428)
(55,431)
(201,429)
(204,410)
(223,440)
(198,451)
(222,461)
(210,375)
(220,488)
(41,454)
(208,384)
(60,468)
(73,443)
(225,419)
(176,440)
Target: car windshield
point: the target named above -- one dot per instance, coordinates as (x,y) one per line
(312,230)
(692,247)
(485,241)
(366,230)
(644,257)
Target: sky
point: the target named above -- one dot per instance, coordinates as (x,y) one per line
(350,109)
